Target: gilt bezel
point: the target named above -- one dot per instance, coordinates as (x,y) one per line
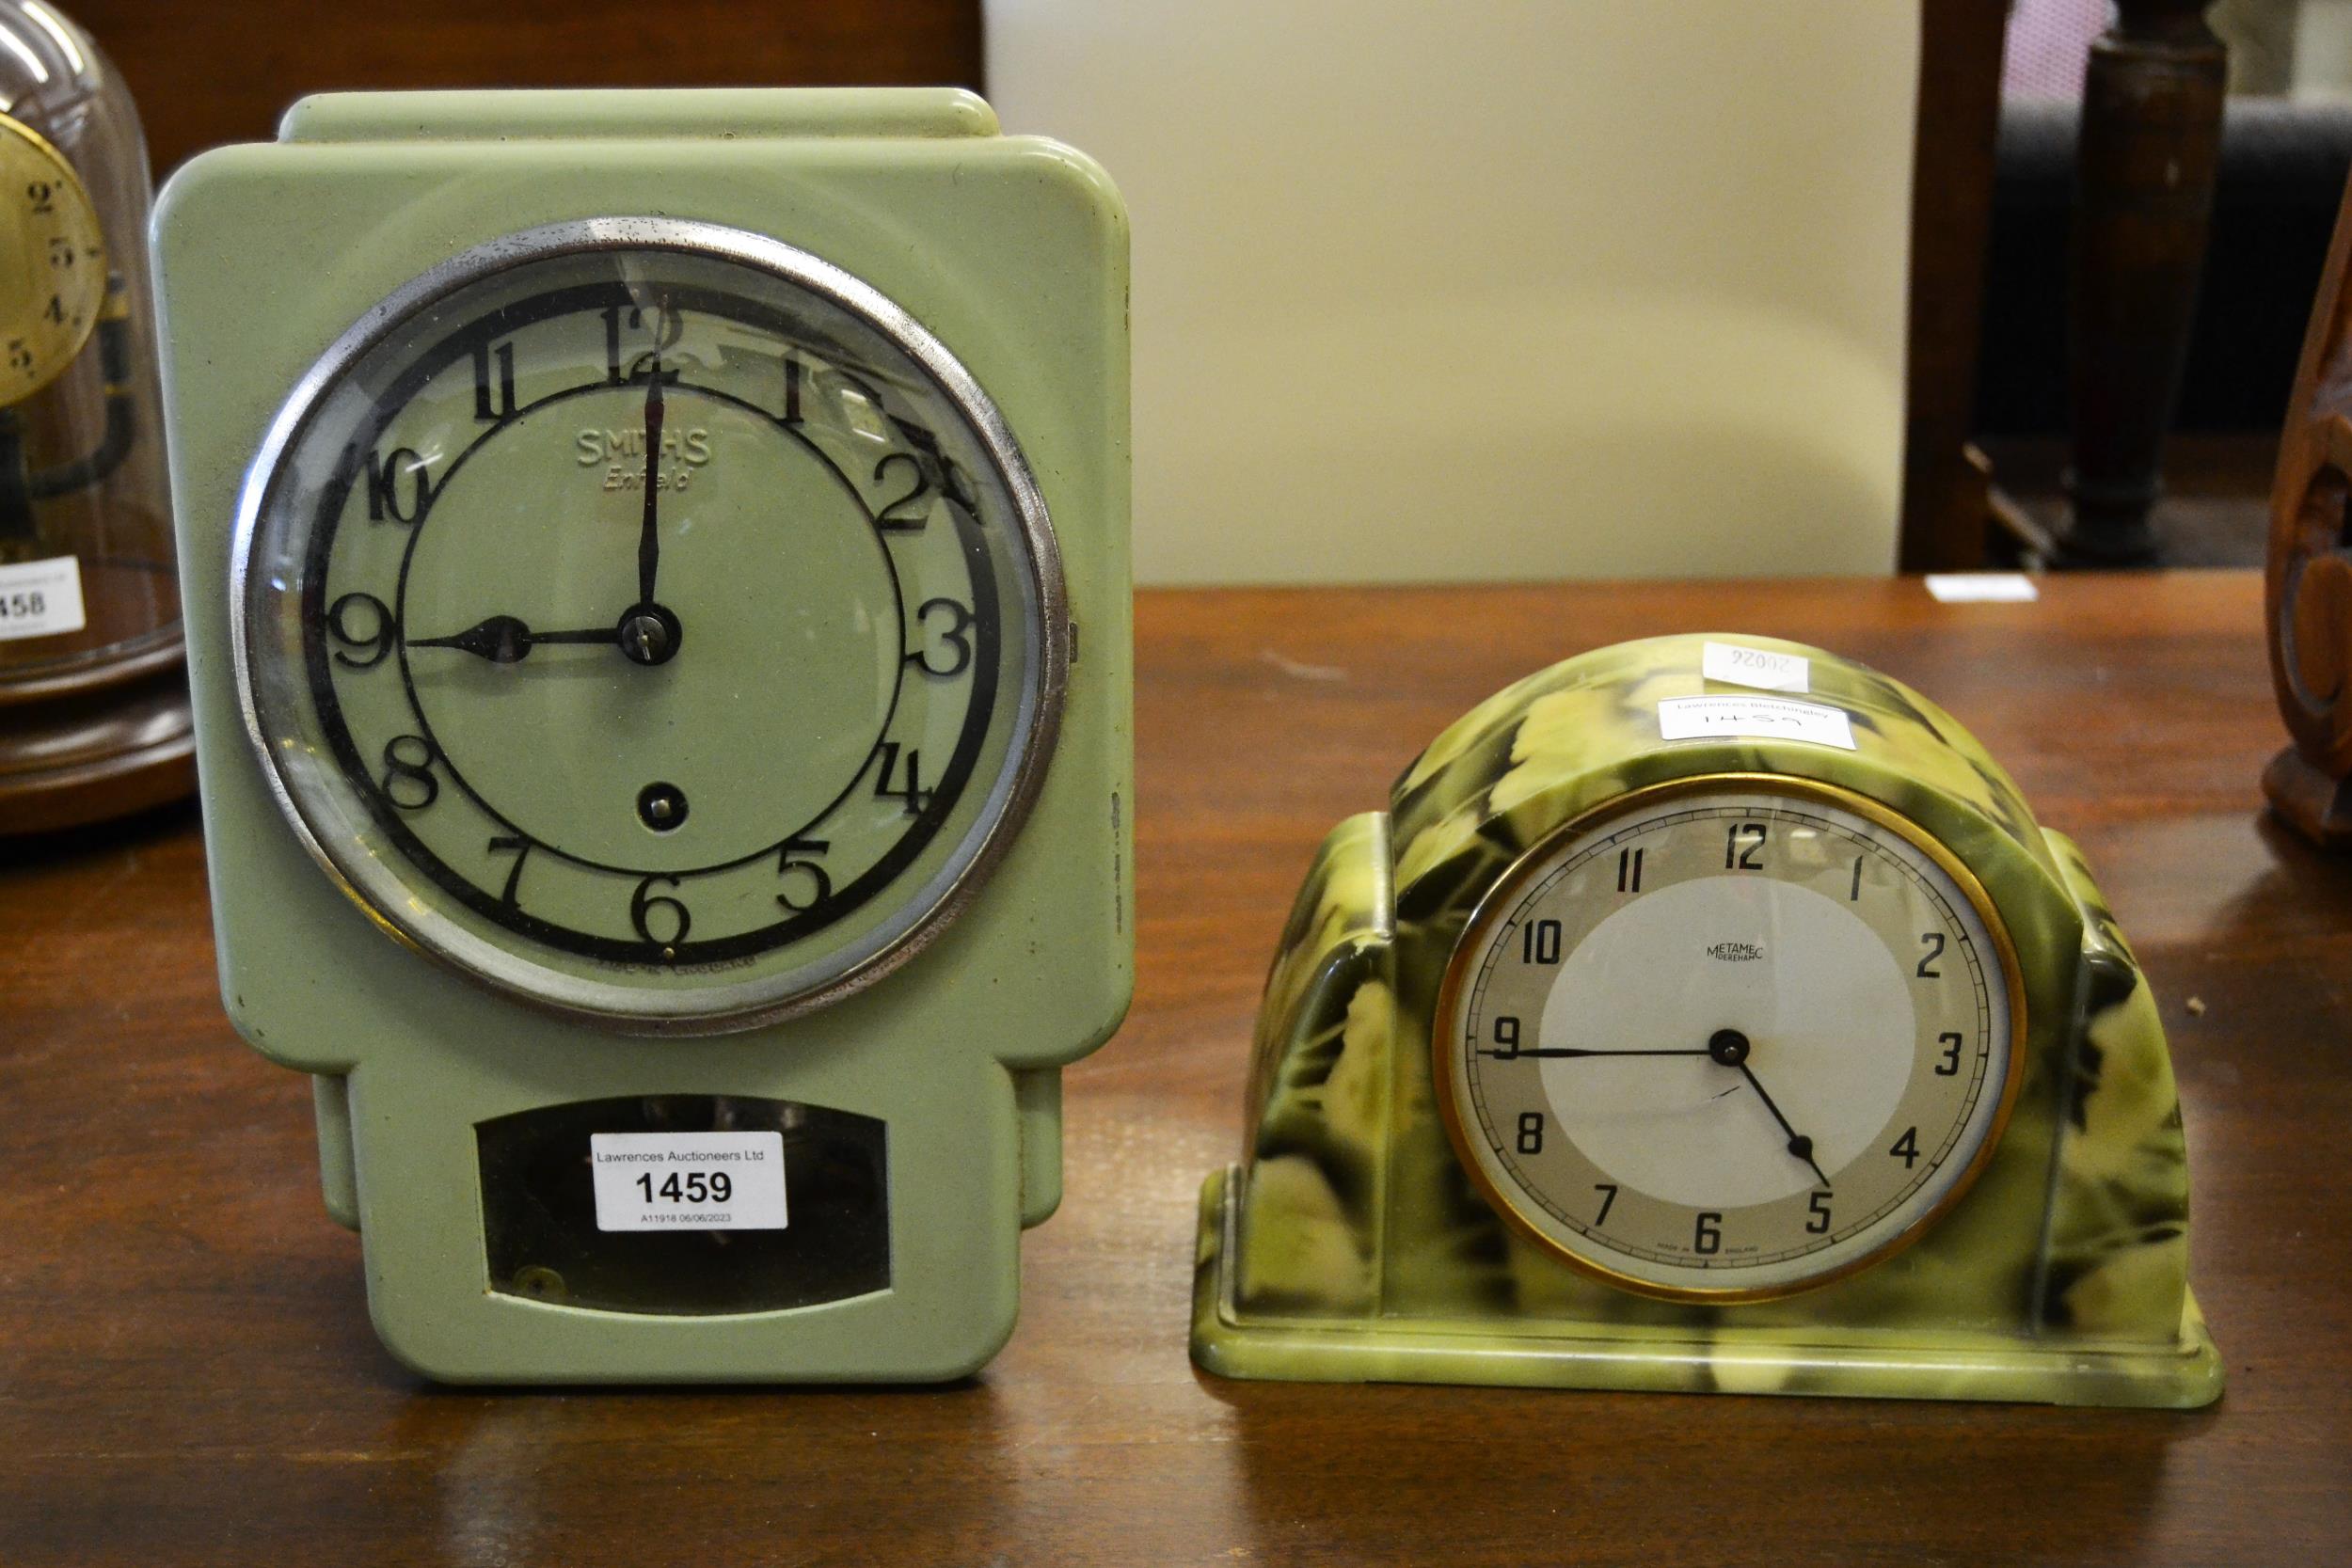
(1508,892)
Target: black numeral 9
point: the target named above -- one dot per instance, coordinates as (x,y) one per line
(375,633)
(1506,1034)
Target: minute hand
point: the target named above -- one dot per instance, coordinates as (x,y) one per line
(649,533)
(1556,1052)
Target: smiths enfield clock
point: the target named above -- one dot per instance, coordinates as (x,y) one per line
(662,701)
(1700,1036)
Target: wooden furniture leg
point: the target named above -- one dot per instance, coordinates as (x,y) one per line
(2151,141)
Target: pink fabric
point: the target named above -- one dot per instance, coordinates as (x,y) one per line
(2048,41)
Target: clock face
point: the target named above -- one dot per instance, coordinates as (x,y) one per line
(55,280)
(651,619)
(1729,1039)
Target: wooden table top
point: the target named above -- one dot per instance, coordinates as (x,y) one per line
(188,1375)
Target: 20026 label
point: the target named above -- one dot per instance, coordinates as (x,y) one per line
(688,1181)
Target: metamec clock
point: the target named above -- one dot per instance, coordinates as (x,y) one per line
(1708,1014)
(662,695)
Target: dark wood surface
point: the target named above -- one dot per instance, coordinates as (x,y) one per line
(205,73)
(188,1375)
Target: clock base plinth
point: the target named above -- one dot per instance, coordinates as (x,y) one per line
(2314,803)
(96,751)
(1534,1353)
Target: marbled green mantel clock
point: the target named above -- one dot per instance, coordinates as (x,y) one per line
(1669,1033)
(657,581)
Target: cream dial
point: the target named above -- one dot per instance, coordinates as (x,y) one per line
(1729,1041)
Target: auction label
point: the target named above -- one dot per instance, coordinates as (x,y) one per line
(1694,718)
(41,599)
(688,1181)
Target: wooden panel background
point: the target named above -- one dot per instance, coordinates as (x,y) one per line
(206,72)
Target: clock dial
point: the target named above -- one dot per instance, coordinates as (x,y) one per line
(1732,1038)
(652,619)
(54,282)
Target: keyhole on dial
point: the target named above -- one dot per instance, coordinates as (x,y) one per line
(662,806)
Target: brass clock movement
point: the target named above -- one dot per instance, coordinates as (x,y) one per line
(662,687)
(1674,1029)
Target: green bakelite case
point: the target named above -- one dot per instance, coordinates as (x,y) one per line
(1347,1244)
(939,1087)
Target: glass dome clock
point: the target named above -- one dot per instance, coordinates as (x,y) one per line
(93,705)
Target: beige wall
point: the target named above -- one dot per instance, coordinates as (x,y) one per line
(1476,290)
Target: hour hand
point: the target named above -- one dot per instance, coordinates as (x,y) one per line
(506,639)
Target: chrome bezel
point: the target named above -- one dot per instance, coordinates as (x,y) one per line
(720,1007)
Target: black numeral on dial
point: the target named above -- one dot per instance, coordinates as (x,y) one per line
(1504,1032)
(373,631)
(1933,943)
(912,791)
(1950,1066)
(1709,1237)
(907,513)
(791,856)
(386,474)
(957,634)
(1906,1148)
(1539,942)
(485,405)
(520,849)
(1531,1133)
(408,779)
(642,904)
(1742,842)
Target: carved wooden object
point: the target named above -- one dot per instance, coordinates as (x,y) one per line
(2308,594)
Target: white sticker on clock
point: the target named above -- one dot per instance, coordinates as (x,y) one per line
(41,599)
(1736,665)
(688,1181)
(1695,718)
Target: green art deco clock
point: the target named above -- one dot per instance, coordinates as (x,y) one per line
(1708,1014)
(656,568)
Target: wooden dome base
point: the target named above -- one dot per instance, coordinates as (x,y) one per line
(2313,802)
(96,751)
